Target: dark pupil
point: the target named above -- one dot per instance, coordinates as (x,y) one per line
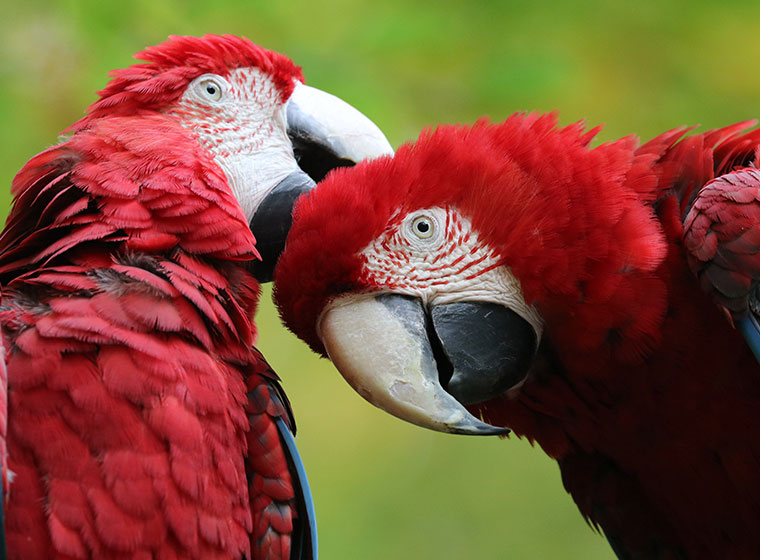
(211,90)
(423,227)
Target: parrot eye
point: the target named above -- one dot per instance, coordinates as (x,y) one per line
(423,227)
(211,89)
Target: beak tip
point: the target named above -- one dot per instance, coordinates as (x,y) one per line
(474,427)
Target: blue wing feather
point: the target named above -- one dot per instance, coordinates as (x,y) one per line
(304,546)
(750,329)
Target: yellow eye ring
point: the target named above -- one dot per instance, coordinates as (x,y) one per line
(211,89)
(423,227)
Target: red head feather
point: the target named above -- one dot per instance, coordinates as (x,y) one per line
(171,65)
(535,192)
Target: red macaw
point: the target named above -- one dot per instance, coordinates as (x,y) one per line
(142,422)
(547,286)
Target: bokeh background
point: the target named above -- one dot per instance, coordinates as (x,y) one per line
(385,489)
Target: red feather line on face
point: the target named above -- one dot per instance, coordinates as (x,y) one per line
(172,65)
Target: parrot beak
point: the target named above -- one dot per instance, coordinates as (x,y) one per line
(489,346)
(271,222)
(326,133)
(399,357)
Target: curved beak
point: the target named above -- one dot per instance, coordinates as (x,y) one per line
(271,222)
(326,133)
(423,367)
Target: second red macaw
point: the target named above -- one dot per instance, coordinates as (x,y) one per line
(567,293)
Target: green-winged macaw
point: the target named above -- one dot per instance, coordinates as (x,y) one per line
(566,292)
(141,421)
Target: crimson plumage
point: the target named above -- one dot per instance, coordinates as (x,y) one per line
(641,388)
(128,320)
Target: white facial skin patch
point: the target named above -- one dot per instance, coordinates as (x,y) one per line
(435,255)
(242,122)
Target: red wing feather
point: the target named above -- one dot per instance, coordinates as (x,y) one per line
(272,495)
(722,236)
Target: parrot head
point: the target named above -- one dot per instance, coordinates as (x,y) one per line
(432,278)
(271,135)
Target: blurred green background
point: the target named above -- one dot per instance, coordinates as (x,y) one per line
(385,489)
